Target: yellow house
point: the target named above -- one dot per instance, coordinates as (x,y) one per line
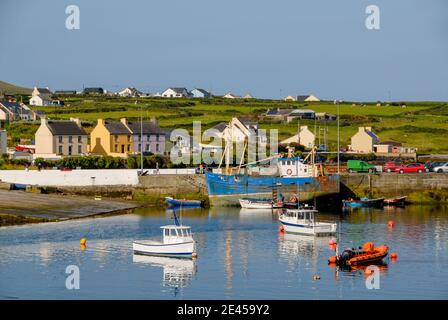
(111,138)
(305,138)
(364,140)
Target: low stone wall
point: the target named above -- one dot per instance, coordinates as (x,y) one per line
(418,187)
(173,184)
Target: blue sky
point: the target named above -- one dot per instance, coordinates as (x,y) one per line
(267,48)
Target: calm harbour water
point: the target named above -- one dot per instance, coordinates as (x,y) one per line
(241,255)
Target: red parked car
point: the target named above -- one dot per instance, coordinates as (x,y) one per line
(391,166)
(411,168)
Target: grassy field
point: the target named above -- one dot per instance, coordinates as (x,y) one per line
(423,125)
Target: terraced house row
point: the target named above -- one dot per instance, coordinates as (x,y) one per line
(121,138)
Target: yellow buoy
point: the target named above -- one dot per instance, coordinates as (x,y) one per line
(82,247)
(83,241)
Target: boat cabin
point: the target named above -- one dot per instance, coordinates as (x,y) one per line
(294,167)
(175,234)
(301,214)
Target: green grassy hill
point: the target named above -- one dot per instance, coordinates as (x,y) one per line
(423,125)
(7,88)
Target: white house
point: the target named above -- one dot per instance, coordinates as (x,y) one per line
(308,98)
(41,97)
(305,138)
(248,96)
(200,93)
(129,92)
(175,93)
(231,96)
(3,142)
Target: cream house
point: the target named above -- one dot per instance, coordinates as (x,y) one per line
(364,140)
(305,138)
(308,98)
(41,97)
(60,138)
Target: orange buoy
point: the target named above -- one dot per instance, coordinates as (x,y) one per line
(394,256)
(331,242)
(83,241)
(82,247)
(390,223)
(332,259)
(281,228)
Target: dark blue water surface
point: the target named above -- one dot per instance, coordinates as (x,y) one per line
(241,255)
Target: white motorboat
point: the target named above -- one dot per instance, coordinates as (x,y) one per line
(247,203)
(302,221)
(177,241)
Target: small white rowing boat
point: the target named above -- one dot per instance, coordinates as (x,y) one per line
(302,221)
(177,241)
(247,203)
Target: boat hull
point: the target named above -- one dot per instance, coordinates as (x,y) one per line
(226,190)
(183,249)
(183,203)
(255,204)
(310,230)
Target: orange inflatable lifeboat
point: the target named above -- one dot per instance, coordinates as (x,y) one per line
(368,254)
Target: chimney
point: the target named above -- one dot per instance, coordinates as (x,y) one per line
(100,122)
(44,120)
(368,128)
(154,121)
(361,129)
(124,121)
(77,121)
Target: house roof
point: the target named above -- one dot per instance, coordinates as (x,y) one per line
(61,128)
(301,111)
(14,107)
(371,134)
(392,143)
(302,98)
(178,90)
(148,127)
(220,126)
(99,90)
(44,90)
(201,90)
(115,127)
(278,112)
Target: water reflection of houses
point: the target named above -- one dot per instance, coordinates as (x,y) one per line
(228,260)
(177,273)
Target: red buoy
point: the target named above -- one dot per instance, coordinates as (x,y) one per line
(394,256)
(282,229)
(331,242)
(390,223)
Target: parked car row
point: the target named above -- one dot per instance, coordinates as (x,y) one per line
(398,167)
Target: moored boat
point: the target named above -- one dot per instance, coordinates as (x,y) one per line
(367,254)
(363,203)
(249,203)
(177,241)
(182,202)
(302,221)
(399,201)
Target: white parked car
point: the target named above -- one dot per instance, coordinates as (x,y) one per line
(442,168)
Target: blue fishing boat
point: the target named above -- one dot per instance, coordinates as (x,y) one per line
(294,175)
(363,203)
(183,202)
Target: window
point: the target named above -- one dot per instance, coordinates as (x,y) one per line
(139,147)
(157,148)
(79,149)
(129,147)
(116,138)
(116,148)
(139,138)
(148,137)
(60,150)
(129,138)
(70,150)
(60,139)
(79,139)
(148,149)
(70,139)
(122,148)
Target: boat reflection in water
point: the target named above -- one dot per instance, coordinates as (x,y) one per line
(177,273)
